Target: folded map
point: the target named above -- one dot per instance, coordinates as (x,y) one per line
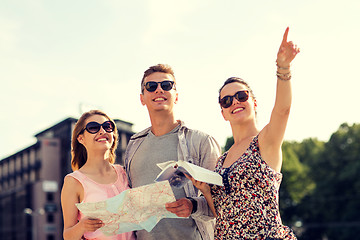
(133,209)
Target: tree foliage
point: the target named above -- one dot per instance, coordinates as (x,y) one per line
(333,209)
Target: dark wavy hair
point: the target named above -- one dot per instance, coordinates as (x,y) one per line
(78,151)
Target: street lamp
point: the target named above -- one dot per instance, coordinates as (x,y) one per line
(34,215)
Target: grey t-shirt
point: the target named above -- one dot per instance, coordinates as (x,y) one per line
(144,170)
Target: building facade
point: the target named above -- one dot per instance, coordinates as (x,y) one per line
(31,182)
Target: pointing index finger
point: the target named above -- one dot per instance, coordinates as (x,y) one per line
(285,35)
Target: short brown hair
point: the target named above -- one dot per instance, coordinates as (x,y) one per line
(78,151)
(164,68)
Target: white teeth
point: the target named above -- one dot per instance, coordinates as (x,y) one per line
(159,99)
(102,139)
(238,110)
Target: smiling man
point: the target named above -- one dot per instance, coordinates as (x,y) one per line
(169,139)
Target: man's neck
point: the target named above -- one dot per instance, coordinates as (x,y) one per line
(162,124)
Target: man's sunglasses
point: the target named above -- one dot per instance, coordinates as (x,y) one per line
(94,127)
(241,96)
(165,85)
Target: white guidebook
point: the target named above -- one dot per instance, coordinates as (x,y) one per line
(173,171)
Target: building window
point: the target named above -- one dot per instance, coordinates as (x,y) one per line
(50,237)
(50,197)
(50,218)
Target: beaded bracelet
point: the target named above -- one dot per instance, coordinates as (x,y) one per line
(284,76)
(283,79)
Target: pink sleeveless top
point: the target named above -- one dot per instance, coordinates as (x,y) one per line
(94,192)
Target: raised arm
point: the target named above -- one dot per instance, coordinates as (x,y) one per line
(272,135)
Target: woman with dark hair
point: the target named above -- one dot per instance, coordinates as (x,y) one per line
(95,177)
(246,207)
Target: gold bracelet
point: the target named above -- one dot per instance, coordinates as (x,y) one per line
(283,74)
(282,68)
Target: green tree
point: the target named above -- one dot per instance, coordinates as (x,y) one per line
(295,184)
(333,209)
(307,153)
(228,144)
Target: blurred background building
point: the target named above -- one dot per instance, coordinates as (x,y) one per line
(31,182)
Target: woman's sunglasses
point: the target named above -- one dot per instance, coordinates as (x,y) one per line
(241,96)
(165,85)
(94,127)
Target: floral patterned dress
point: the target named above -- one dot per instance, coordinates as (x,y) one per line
(247,204)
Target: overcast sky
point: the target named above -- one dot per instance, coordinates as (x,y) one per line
(56,56)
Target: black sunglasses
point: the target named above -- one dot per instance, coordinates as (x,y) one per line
(241,96)
(165,85)
(94,127)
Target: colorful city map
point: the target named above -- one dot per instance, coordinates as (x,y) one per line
(133,209)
